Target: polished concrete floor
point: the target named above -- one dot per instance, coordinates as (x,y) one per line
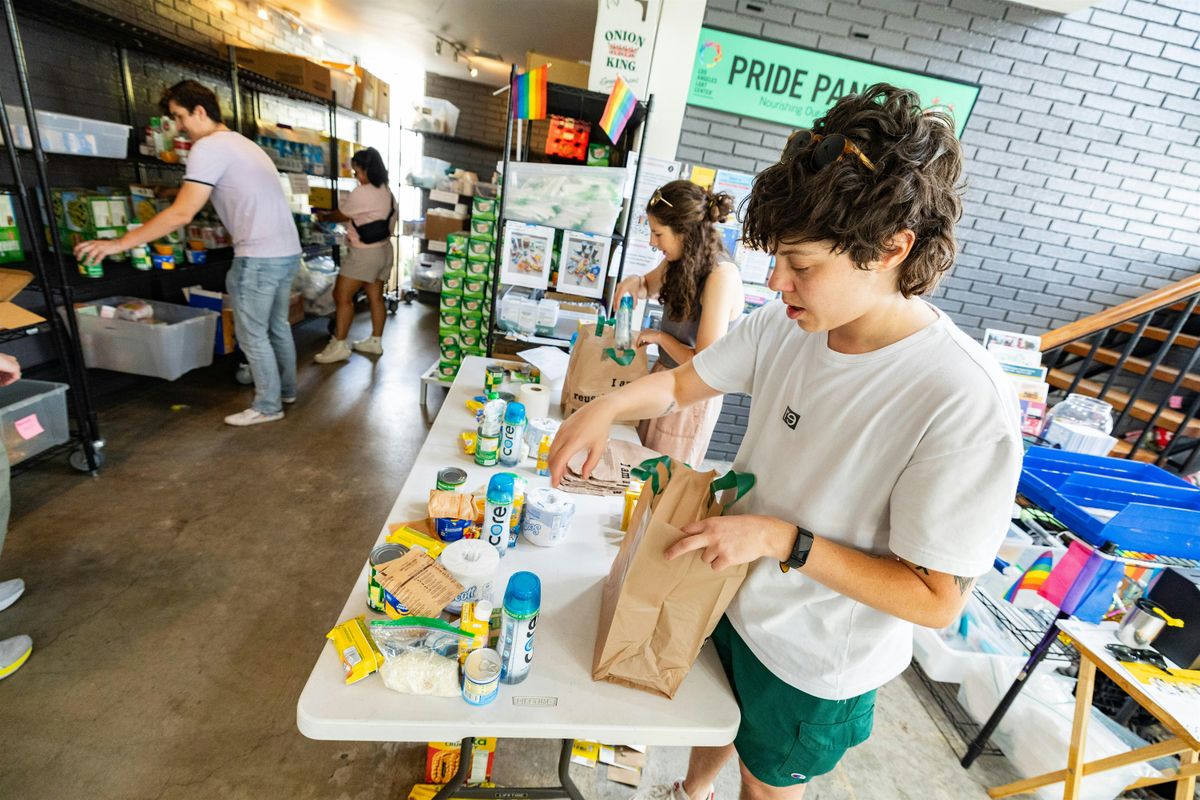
(177,603)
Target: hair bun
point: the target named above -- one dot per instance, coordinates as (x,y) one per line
(720,206)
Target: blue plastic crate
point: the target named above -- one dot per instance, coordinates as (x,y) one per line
(1134,506)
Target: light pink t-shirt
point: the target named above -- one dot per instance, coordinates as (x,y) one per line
(246,193)
(365,204)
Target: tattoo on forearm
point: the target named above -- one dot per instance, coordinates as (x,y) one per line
(670,408)
(963,583)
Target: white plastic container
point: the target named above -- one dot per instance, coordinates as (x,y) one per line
(435,115)
(565,196)
(183,343)
(33,418)
(63,133)
(946,664)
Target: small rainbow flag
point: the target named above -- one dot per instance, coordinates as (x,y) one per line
(1034,577)
(618,110)
(529,94)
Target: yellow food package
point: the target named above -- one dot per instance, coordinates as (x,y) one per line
(474,406)
(406,536)
(427,791)
(355,647)
(467,438)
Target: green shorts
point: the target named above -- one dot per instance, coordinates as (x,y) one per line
(787,736)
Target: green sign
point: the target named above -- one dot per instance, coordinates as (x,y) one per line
(794,86)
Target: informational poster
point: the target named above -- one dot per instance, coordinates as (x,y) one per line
(583,264)
(794,86)
(640,257)
(623,44)
(735,184)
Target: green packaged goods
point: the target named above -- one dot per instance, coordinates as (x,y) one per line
(451,302)
(451,352)
(473,287)
(483,229)
(456,264)
(480,269)
(472,323)
(472,306)
(10,233)
(445,331)
(480,249)
(456,243)
(483,208)
(470,339)
(452,284)
(478,350)
(449,319)
(598,155)
(449,338)
(447,369)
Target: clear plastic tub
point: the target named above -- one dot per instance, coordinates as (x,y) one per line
(63,133)
(563,196)
(182,342)
(33,418)
(435,115)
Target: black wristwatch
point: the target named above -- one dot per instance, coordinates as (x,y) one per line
(804,543)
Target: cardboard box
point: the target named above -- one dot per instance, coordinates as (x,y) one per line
(562,70)
(384,111)
(442,759)
(440,226)
(371,96)
(12,316)
(225,341)
(299,73)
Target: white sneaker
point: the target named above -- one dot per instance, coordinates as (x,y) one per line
(370,345)
(251,417)
(667,791)
(336,350)
(10,591)
(287,401)
(13,653)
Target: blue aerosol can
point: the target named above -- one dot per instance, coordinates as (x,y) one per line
(498,511)
(518,623)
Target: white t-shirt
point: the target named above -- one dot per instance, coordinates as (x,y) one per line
(246,193)
(365,204)
(912,450)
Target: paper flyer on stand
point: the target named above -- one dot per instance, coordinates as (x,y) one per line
(640,257)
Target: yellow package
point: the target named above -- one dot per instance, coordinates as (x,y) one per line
(474,406)
(409,538)
(355,647)
(427,791)
(467,439)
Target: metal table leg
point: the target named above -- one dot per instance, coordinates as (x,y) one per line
(455,789)
(1035,657)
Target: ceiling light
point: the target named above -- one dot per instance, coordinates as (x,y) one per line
(474,71)
(262,13)
(318,41)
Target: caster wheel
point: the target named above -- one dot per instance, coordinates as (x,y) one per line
(392,305)
(78,460)
(243,375)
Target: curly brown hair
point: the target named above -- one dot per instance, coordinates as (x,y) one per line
(691,212)
(915,185)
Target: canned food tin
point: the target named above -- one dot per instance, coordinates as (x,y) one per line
(493,377)
(450,479)
(380,555)
(481,676)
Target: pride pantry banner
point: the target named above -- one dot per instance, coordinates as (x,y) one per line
(794,86)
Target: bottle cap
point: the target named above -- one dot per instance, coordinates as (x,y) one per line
(524,594)
(515,413)
(500,488)
(483,610)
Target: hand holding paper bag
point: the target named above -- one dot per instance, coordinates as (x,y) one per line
(655,614)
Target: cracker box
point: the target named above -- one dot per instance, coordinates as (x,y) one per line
(456,243)
(442,760)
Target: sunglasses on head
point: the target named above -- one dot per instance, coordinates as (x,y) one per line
(830,147)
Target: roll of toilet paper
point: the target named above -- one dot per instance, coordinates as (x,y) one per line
(536,399)
(548,516)
(473,563)
(536,428)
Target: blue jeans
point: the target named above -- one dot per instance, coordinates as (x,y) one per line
(260,289)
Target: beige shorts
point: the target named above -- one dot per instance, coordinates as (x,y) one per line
(368,264)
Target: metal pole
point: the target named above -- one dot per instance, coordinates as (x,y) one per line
(1156,361)
(73,355)
(497,248)
(235,84)
(1087,362)
(637,175)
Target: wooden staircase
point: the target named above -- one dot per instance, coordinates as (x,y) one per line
(1136,356)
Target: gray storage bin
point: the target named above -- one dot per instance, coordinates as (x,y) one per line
(167,351)
(27,406)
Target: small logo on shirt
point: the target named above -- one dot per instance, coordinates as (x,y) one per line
(790,418)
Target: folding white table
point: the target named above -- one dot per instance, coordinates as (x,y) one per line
(559,699)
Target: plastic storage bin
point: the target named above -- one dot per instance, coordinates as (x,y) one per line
(1110,501)
(435,115)
(165,351)
(63,133)
(563,196)
(33,417)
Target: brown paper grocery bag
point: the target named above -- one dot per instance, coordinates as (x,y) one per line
(597,367)
(655,614)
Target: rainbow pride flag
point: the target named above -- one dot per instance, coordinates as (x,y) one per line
(529,94)
(1034,577)
(618,110)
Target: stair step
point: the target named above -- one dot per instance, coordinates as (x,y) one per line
(1140,366)
(1159,334)
(1143,454)
(1142,409)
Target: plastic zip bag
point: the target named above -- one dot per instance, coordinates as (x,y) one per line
(420,655)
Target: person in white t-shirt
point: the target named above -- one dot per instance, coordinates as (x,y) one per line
(885,441)
(243,184)
(370,214)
